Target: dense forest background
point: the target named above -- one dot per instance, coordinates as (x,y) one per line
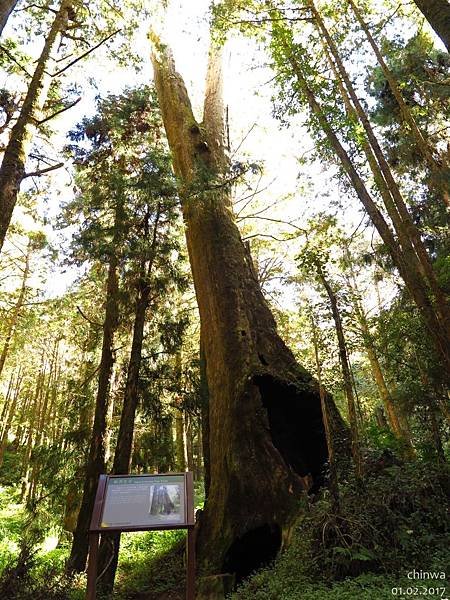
(246,278)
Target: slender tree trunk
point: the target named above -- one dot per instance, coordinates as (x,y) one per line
(10,417)
(6,8)
(42,422)
(180,431)
(12,169)
(6,403)
(32,428)
(407,271)
(439,168)
(377,372)
(406,230)
(109,548)
(437,13)
(122,455)
(346,373)
(189,433)
(16,310)
(97,450)
(266,435)
(180,440)
(334,486)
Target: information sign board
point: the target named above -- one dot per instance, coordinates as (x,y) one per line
(142,503)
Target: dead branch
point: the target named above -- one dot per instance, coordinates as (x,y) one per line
(73,62)
(58,112)
(40,172)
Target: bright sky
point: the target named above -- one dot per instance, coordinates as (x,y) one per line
(258,135)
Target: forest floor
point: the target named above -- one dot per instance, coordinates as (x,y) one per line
(395,523)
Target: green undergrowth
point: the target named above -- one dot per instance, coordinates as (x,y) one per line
(392,523)
(150,564)
(34,550)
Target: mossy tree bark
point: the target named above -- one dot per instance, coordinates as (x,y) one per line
(12,170)
(266,437)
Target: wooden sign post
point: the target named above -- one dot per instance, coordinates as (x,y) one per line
(142,503)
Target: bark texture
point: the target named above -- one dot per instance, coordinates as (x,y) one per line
(437,13)
(6,8)
(12,170)
(265,432)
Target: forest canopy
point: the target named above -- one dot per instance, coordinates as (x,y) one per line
(224,249)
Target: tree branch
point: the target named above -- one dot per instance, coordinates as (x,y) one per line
(11,57)
(88,319)
(58,112)
(40,172)
(73,62)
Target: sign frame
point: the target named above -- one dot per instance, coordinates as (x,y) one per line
(95,529)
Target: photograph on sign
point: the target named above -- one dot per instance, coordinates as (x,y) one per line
(144,501)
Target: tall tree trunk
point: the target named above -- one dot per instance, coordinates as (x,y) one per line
(375,366)
(32,427)
(439,168)
(10,417)
(109,548)
(180,430)
(266,434)
(189,435)
(346,372)
(6,403)
(12,169)
(6,8)
(407,270)
(394,202)
(16,310)
(97,450)
(42,422)
(437,13)
(180,440)
(334,486)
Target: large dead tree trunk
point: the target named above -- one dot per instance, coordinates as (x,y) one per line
(437,13)
(266,435)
